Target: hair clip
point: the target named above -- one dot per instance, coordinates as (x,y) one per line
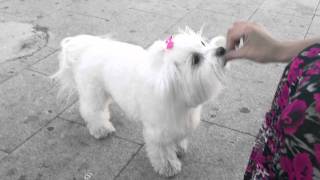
(169,43)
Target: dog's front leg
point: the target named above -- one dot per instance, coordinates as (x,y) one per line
(182,148)
(162,155)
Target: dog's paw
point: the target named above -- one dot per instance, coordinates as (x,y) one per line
(169,169)
(101,131)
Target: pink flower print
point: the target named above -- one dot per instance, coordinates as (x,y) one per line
(271,145)
(317,100)
(299,169)
(293,116)
(313,52)
(317,152)
(283,97)
(294,71)
(314,70)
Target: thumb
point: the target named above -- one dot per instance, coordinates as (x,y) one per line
(235,54)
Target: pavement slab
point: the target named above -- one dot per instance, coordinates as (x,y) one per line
(282,26)
(10,69)
(130,26)
(125,128)
(32,8)
(2,155)
(314,27)
(304,8)
(99,8)
(19,39)
(48,65)
(65,150)
(213,23)
(28,102)
(242,9)
(246,97)
(213,153)
(174,8)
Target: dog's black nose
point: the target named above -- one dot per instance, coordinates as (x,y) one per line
(220,51)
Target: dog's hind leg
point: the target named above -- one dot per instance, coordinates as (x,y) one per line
(94,108)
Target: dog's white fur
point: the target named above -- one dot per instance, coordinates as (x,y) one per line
(163,88)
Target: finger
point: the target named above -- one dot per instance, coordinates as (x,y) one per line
(235,54)
(234,35)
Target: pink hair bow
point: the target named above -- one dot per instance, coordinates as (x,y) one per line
(169,43)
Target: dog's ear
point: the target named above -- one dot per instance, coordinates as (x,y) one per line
(156,52)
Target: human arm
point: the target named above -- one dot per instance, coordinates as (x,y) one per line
(260,46)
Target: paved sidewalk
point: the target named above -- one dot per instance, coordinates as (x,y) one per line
(41,138)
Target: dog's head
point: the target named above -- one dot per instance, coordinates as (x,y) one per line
(190,69)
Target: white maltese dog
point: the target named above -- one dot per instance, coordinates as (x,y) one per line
(163,86)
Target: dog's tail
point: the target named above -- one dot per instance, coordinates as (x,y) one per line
(71,49)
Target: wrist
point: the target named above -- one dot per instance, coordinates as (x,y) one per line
(281,52)
(285,51)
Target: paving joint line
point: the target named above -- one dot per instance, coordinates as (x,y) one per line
(128,162)
(226,127)
(89,15)
(113,135)
(149,12)
(171,26)
(35,71)
(256,10)
(70,121)
(315,12)
(128,140)
(36,132)
(26,67)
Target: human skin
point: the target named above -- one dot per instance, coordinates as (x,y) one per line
(260,46)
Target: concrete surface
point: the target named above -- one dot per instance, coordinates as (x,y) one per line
(43,138)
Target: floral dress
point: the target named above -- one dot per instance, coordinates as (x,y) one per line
(288,144)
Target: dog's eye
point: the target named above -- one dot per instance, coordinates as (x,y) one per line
(196,59)
(203,43)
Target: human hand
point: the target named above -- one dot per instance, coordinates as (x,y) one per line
(258,45)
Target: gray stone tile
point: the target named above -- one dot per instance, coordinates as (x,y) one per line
(304,8)
(99,8)
(174,8)
(314,28)
(129,26)
(71,25)
(214,153)
(48,65)
(282,26)
(65,150)
(125,128)
(2,155)
(242,9)
(28,102)
(37,56)
(32,8)
(246,98)
(9,69)
(140,27)
(19,39)
(7,17)
(214,23)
